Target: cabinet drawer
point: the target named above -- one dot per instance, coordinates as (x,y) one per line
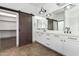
(47,44)
(72,42)
(73,39)
(71,49)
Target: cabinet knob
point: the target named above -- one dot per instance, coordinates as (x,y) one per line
(47,38)
(48,44)
(64,40)
(61,40)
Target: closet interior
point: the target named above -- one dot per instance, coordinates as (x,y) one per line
(8,29)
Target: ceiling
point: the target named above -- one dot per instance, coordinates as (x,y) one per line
(32,8)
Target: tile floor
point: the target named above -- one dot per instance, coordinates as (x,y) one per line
(34,49)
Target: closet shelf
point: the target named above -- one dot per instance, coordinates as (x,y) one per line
(8,30)
(7,21)
(8,16)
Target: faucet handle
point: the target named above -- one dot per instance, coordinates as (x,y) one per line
(70,32)
(64,31)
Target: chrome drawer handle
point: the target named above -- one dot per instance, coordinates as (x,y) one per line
(72,38)
(64,40)
(48,39)
(48,44)
(61,40)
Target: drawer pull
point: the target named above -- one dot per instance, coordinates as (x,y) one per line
(72,38)
(64,40)
(48,44)
(61,40)
(48,39)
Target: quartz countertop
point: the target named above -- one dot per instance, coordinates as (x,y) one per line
(59,33)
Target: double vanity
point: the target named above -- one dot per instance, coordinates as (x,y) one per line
(59,32)
(66,44)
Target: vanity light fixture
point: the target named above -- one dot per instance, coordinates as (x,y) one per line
(7,14)
(42,11)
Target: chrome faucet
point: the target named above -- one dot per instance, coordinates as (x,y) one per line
(67,30)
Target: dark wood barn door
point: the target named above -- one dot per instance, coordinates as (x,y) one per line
(25,28)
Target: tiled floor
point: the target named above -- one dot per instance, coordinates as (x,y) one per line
(33,49)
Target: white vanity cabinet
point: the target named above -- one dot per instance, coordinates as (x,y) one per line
(71,47)
(51,41)
(40,37)
(56,43)
(66,45)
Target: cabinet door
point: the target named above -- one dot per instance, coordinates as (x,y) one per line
(39,36)
(57,43)
(71,47)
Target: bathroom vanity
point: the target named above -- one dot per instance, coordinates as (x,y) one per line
(62,43)
(63,36)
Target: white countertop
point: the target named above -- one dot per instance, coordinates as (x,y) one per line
(59,33)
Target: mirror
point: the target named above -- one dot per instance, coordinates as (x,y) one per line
(72,18)
(57,20)
(64,19)
(41,23)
